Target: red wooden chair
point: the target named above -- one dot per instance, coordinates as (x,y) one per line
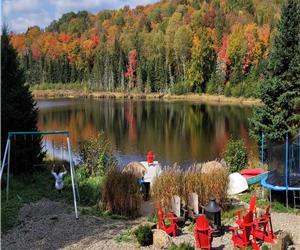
(172,228)
(263,229)
(203,233)
(252,209)
(241,234)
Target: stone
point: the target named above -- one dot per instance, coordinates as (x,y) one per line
(193,202)
(175,201)
(161,240)
(282,242)
(135,168)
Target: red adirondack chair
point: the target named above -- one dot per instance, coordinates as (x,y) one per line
(172,228)
(203,233)
(263,229)
(252,209)
(241,234)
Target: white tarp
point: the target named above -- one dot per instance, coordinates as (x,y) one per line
(237,184)
(153,170)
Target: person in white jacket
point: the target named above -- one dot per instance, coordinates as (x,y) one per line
(59,178)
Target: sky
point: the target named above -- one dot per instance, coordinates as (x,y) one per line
(21,14)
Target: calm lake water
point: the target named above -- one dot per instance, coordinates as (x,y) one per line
(182,132)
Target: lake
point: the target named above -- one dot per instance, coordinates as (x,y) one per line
(176,131)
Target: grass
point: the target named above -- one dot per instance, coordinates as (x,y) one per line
(125,236)
(174,181)
(26,189)
(276,206)
(60,86)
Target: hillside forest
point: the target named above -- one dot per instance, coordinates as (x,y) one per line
(177,46)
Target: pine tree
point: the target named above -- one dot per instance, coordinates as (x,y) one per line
(19,111)
(280,90)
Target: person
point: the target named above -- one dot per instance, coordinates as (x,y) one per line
(59,178)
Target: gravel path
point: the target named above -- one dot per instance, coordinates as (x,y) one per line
(52,225)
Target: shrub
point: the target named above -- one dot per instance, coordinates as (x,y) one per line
(174,181)
(121,193)
(96,155)
(206,186)
(236,155)
(182,246)
(180,88)
(144,235)
(215,184)
(169,183)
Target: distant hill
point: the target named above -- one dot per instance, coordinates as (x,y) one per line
(215,46)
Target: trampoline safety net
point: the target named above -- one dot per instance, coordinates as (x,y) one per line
(282,158)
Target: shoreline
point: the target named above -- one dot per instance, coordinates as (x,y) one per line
(205,98)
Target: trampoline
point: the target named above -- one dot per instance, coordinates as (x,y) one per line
(283,159)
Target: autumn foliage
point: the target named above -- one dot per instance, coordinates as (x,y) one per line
(151,46)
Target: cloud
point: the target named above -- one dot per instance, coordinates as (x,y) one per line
(21,23)
(10,6)
(20,14)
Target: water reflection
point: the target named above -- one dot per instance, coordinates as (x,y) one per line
(175,131)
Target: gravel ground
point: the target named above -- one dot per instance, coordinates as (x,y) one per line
(52,225)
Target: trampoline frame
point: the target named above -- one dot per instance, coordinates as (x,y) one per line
(271,187)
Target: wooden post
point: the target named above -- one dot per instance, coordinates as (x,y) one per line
(193,202)
(176,205)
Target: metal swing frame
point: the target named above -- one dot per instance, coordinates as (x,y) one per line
(6,158)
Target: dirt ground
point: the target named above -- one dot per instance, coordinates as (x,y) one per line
(52,225)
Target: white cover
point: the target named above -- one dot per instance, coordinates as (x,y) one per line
(237,184)
(152,171)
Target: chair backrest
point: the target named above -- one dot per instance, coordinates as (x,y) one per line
(252,203)
(247,224)
(202,223)
(161,220)
(267,211)
(202,229)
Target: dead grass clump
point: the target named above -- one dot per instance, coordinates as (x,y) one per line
(169,183)
(192,182)
(178,182)
(121,193)
(215,185)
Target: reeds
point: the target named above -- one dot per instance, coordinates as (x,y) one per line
(174,181)
(169,183)
(121,193)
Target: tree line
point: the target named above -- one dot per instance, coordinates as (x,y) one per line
(214,46)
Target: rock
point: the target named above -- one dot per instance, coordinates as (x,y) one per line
(210,166)
(282,242)
(161,240)
(136,168)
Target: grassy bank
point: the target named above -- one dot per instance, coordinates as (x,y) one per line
(82,91)
(31,188)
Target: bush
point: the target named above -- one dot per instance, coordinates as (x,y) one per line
(174,181)
(215,84)
(144,235)
(169,183)
(236,155)
(182,246)
(96,154)
(180,88)
(121,193)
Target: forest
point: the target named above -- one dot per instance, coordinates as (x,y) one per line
(173,46)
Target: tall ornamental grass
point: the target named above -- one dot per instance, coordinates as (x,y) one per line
(183,182)
(121,193)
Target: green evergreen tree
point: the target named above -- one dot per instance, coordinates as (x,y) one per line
(19,111)
(202,63)
(280,90)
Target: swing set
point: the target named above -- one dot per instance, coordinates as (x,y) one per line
(6,159)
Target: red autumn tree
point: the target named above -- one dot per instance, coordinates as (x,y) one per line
(131,69)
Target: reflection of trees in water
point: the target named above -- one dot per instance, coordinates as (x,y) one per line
(175,131)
